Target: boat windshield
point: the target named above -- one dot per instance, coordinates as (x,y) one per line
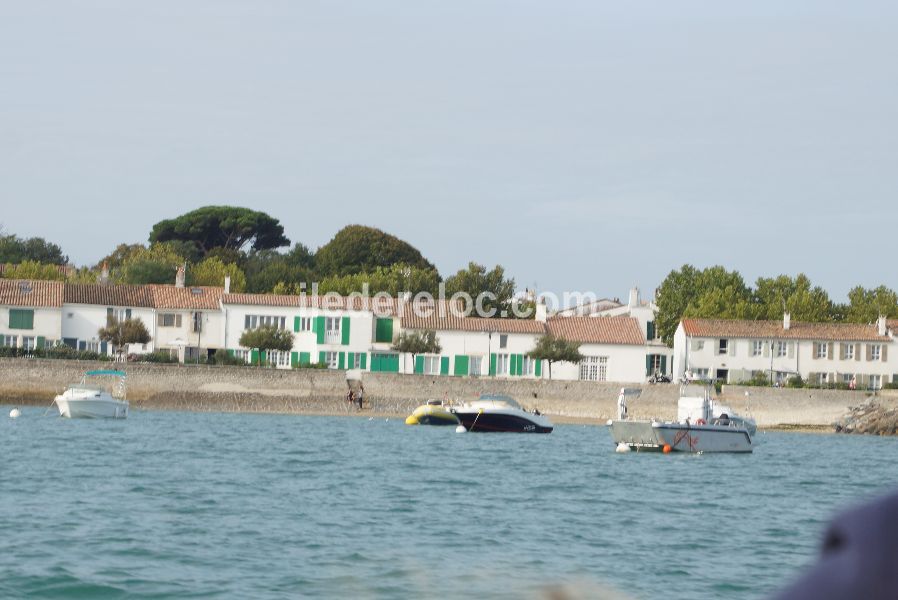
(500,399)
(695,390)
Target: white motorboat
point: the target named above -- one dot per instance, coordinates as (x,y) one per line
(493,412)
(89,401)
(702,425)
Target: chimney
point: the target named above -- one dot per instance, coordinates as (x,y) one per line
(180,275)
(881,325)
(634,297)
(104,274)
(540,315)
(787,321)
(227,284)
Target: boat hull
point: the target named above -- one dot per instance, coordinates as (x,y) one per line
(502,421)
(432,415)
(652,436)
(92,408)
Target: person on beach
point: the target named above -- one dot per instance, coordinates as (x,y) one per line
(360,396)
(350,397)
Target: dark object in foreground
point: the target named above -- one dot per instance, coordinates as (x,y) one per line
(859,557)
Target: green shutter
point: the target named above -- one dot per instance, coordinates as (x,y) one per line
(305,358)
(375,363)
(444,365)
(21,318)
(40,342)
(350,360)
(520,364)
(319,329)
(393,363)
(263,355)
(383,330)
(663,365)
(294,359)
(513,366)
(461,364)
(322,357)
(296,324)
(363,364)
(492,364)
(650,330)
(341,360)
(648,364)
(230,352)
(254,356)
(419,364)
(344,331)
(538,368)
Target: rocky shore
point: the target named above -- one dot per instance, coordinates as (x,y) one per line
(877,415)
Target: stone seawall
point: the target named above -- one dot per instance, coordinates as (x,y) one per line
(314,391)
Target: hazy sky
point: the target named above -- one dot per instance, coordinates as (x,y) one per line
(582,145)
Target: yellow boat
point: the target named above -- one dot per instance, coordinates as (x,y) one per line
(435,412)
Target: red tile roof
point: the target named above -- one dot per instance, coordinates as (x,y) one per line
(195,298)
(774,329)
(445,320)
(109,295)
(327,302)
(21,292)
(597,330)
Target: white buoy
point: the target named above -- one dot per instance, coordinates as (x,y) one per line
(461,429)
(622,447)
(608,422)
(15,413)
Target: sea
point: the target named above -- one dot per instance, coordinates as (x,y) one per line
(209,505)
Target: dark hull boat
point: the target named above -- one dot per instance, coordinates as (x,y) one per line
(500,413)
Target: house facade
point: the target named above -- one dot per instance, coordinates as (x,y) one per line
(86,308)
(613,348)
(188,321)
(857,355)
(30,313)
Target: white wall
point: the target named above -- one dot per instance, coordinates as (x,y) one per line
(626,363)
(83,322)
(46,324)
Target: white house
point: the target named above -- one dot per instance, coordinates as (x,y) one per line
(189,322)
(613,348)
(821,353)
(86,309)
(30,313)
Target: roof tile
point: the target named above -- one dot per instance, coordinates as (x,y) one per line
(22,292)
(597,330)
(109,295)
(774,329)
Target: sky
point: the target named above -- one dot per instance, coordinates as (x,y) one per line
(583,145)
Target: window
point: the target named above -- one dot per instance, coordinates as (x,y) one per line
(723,347)
(650,332)
(332,329)
(331,359)
(654,364)
(383,330)
(503,341)
(849,351)
(278,358)
(822,378)
(594,368)
(10,341)
(847,377)
(244,354)
(502,361)
(256,321)
(28,342)
(119,314)
(431,365)
(305,323)
(474,365)
(875,382)
(20,318)
(168,320)
(781,349)
(875,351)
(820,350)
(757,347)
(197,325)
(356,361)
(527,365)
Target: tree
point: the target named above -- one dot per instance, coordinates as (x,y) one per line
(394,280)
(417,342)
(476,280)
(14,249)
(554,349)
(699,293)
(156,264)
(30,269)
(120,333)
(360,249)
(865,306)
(212,272)
(222,227)
(774,296)
(267,338)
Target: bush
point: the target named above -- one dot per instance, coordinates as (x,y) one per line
(56,352)
(795,382)
(221,357)
(320,365)
(759,379)
(160,356)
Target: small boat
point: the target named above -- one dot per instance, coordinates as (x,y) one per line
(702,425)
(494,412)
(435,412)
(88,401)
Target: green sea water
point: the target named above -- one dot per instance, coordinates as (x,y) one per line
(200,505)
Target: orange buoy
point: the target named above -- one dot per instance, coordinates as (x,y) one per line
(666,449)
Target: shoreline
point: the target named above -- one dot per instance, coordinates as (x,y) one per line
(7,404)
